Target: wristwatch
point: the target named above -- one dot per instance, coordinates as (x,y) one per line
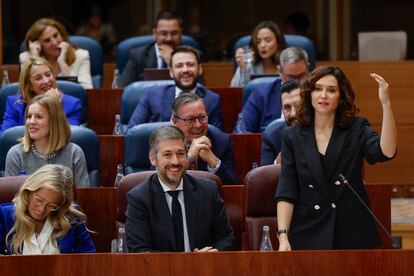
(282,231)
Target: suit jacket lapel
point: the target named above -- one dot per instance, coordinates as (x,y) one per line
(191,210)
(311,154)
(334,149)
(161,207)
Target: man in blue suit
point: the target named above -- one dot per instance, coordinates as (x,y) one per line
(209,148)
(155,103)
(263,105)
(272,136)
(167,34)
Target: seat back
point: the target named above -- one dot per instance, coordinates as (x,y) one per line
(88,141)
(382,46)
(248,88)
(10,186)
(67,87)
(85,138)
(134,179)
(132,93)
(96,56)
(5,91)
(122,50)
(298,41)
(136,141)
(260,206)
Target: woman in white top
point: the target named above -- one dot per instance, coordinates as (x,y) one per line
(49,39)
(43,218)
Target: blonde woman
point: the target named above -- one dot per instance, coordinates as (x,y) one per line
(49,39)
(47,141)
(37,78)
(43,218)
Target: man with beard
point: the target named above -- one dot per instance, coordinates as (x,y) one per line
(272,136)
(209,149)
(263,105)
(155,102)
(173,211)
(167,33)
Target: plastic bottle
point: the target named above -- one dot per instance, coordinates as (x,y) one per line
(115,80)
(122,247)
(119,175)
(6,79)
(266,244)
(118,126)
(240,125)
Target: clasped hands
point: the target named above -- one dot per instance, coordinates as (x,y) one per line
(201,148)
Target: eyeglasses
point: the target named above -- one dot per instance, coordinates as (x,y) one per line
(165,33)
(190,121)
(40,201)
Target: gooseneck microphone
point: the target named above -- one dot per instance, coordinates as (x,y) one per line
(395,244)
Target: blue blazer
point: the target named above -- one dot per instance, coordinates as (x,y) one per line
(15,109)
(272,142)
(263,106)
(148,220)
(77,240)
(155,105)
(222,147)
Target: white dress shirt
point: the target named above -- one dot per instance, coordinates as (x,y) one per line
(42,243)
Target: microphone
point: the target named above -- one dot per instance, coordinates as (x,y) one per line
(395,244)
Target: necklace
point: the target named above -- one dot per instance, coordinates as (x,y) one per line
(41,155)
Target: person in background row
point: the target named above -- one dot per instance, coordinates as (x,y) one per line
(315,208)
(46,140)
(267,43)
(173,211)
(49,39)
(209,149)
(43,218)
(263,106)
(272,136)
(167,32)
(155,102)
(37,78)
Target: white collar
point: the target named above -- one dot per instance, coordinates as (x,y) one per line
(166,188)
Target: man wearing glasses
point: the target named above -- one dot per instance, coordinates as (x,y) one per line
(209,148)
(167,33)
(155,102)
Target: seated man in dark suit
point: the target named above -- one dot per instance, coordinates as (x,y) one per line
(272,136)
(173,211)
(167,33)
(263,105)
(209,148)
(155,102)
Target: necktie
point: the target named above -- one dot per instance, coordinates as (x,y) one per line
(177,220)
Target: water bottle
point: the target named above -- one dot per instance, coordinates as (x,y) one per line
(254,165)
(6,80)
(115,80)
(118,126)
(266,244)
(119,175)
(122,246)
(240,126)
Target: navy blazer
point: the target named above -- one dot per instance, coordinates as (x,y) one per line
(15,109)
(155,105)
(327,215)
(222,147)
(148,219)
(139,59)
(272,142)
(263,106)
(77,240)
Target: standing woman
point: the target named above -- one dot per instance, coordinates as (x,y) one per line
(47,141)
(49,39)
(315,210)
(37,78)
(267,43)
(43,218)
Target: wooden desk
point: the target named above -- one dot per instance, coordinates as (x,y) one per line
(231,105)
(111,153)
(350,262)
(406,232)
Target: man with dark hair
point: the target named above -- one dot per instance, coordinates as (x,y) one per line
(272,136)
(173,211)
(209,148)
(155,102)
(263,106)
(167,32)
